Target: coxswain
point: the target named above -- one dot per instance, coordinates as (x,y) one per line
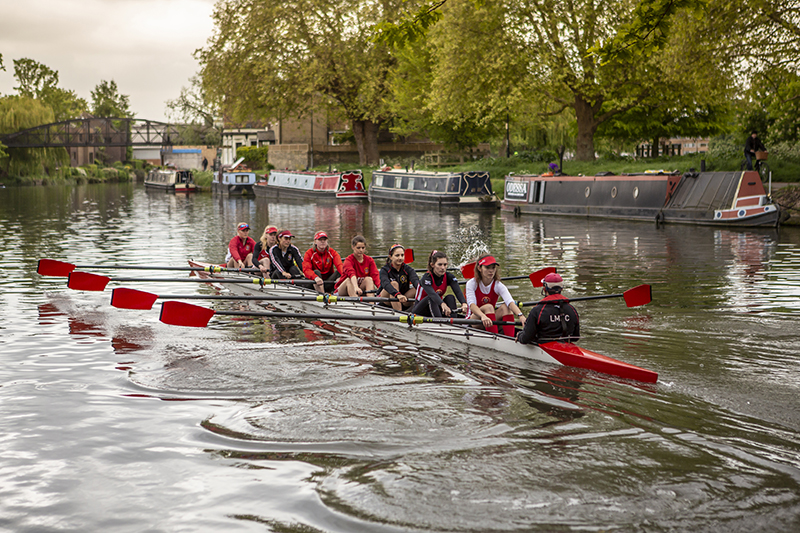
(240,249)
(432,286)
(359,271)
(285,257)
(553,318)
(398,280)
(484,290)
(261,253)
(322,263)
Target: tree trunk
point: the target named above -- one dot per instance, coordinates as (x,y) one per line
(366,134)
(655,147)
(587,126)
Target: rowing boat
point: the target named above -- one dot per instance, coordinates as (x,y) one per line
(451,337)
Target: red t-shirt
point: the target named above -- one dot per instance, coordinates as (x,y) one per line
(351,267)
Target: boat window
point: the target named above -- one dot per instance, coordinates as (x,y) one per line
(410,184)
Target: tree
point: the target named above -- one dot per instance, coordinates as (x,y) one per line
(108,102)
(19,113)
(194,107)
(543,55)
(302,53)
(41,82)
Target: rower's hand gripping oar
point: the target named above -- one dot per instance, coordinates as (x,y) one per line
(639,295)
(124,298)
(51,267)
(84,281)
(183,314)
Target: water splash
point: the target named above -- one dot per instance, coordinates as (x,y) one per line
(467,244)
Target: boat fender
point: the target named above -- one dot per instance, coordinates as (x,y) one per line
(659,218)
(517,211)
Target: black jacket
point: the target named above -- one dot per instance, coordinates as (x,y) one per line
(551,320)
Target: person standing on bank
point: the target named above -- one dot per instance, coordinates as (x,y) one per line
(752,145)
(359,271)
(398,280)
(432,286)
(322,263)
(484,290)
(285,257)
(261,253)
(553,318)
(240,249)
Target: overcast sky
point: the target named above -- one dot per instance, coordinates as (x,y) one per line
(145,46)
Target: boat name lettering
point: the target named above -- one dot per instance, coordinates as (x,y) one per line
(517,189)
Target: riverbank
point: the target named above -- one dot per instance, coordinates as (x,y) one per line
(787,196)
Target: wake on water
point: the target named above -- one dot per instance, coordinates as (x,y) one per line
(466,245)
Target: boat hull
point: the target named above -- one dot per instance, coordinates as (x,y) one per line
(462,339)
(315,186)
(462,190)
(709,198)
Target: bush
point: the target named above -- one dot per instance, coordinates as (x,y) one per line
(785,151)
(255,157)
(725,147)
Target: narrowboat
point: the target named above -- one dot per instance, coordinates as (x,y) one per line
(238,181)
(171,180)
(711,198)
(319,186)
(427,189)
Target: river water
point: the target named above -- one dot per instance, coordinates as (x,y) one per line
(113,421)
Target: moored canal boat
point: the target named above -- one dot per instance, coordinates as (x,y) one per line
(471,189)
(234,181)
(712,198)
(170,180)
(320,186)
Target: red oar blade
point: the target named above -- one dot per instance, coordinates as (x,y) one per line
(123,298)
(637,296)
(409,257)
(537,277)
(468,270)
(51,267)
(83,281)
(183,314)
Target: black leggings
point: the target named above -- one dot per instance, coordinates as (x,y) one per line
(426,306)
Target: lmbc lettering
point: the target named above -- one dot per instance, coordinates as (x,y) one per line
(557,318)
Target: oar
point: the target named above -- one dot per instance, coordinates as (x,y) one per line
(124,298)
(535,277)
(639,295)
(51,267)
(84,281)
(183,314)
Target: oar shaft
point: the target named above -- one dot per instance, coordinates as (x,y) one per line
(416,319)
(250,281)
(320,298)
(568,300)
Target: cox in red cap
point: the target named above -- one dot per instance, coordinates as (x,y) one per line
(285,233)
(488,260)
(271,229)
(320,235)
(243,226)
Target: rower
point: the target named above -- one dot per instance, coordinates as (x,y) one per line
(261,253)
(430,293)
(322,263)
(240,248)
(359,271)
(398,280)
(285,257)
(553,318)
(484,290)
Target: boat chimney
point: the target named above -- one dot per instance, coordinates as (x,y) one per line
(702,165)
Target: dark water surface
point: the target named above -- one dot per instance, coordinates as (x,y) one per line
(113,421)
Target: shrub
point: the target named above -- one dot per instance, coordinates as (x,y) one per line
(255,157)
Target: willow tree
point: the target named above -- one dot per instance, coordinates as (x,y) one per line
(19,113)
(273,58)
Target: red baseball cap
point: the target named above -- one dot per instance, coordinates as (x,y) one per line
(271,229)
(320,235)
(243,225)
(285,233)
(488,260)
(553,280)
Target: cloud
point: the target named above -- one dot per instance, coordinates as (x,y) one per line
(146,46)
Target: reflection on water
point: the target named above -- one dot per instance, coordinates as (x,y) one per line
(341,427)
